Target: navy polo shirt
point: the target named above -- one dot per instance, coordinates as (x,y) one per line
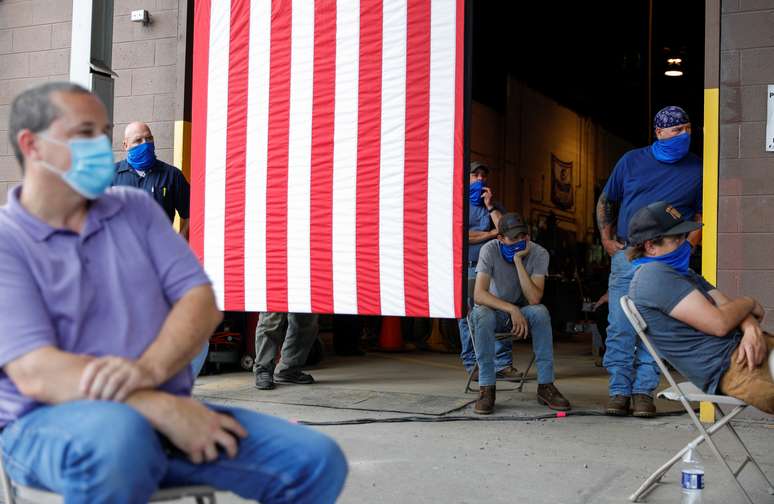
(165,183)
(640,179)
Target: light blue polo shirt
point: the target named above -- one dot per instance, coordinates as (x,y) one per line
(105,291)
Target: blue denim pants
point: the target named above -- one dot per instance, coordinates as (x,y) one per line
(487,322)
(106,452)
(632,369)
(503,348)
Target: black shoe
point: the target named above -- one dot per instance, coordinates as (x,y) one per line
(264,379)
(298,377)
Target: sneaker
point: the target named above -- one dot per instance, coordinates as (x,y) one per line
(642,406)
(486,400)
(297,376)
(548,394)
(509,373)
(264,379)
(618,405)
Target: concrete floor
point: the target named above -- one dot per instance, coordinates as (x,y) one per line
(591,459)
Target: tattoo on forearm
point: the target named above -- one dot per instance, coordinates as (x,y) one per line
(604,212)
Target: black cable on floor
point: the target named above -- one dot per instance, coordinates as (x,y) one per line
(461,418)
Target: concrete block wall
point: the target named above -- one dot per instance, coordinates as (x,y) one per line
(746,184)
(35,47)
(145,59)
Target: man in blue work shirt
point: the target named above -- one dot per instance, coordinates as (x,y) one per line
(483,215)
(663,171)
(165,183)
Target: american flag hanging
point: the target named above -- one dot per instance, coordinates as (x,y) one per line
(327,152)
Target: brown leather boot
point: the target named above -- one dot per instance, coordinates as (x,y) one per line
(486,400)
(618,405)
(642,406)
(549,395)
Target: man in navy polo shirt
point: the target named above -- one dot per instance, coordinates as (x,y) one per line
(165,183)
(663,171)
(103,306)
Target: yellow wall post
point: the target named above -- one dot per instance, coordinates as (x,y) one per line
(182,154)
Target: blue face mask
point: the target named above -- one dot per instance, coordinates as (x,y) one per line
(91,170)
(476,189)
(141,157)
(678,259)
(672,149)
(509,251)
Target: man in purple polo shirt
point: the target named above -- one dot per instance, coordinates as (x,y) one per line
(103,307)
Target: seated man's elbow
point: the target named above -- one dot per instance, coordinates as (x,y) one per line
(217,317)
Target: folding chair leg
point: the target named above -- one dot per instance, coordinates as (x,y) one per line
(524,374)
(470,379)
(654,478)
(750,458)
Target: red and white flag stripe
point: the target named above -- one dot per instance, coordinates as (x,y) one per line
(327,155)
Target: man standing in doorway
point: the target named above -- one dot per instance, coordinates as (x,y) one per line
(165,183)
(483,216)
(663,171)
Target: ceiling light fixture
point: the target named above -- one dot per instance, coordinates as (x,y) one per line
(674,67)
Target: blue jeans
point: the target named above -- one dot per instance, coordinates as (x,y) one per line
(105,452)
(632,369)
(487,322)
(503,348)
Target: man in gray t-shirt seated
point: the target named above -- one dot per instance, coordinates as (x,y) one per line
(510,280)
(713,340)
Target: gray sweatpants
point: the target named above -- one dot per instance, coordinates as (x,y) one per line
(295,332)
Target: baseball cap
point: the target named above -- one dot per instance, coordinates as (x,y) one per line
(511,225)
(475,165)
(657,220)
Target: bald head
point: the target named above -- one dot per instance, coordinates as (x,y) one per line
(135,134)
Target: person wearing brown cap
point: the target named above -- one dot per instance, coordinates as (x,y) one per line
(712,339)
(510,281)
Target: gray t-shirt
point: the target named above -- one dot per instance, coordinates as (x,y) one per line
(702,358)
(505,279)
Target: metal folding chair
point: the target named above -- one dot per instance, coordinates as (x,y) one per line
(499,337)
(686,392)
(14,493)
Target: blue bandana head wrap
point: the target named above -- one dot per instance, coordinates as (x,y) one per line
(670,116)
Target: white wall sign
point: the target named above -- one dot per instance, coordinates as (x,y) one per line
(770,119)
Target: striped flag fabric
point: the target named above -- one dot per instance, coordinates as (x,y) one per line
(327,153)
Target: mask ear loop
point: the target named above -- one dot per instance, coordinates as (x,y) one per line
(48,166)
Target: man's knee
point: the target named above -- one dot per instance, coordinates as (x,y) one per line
(482,316)
(540,314)
(122,446)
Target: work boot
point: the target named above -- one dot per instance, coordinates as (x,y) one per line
(548,394)
(642,406)
(618,405)
(475,375)
(509,373)
(486,400)
(264,379)
(294,376)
